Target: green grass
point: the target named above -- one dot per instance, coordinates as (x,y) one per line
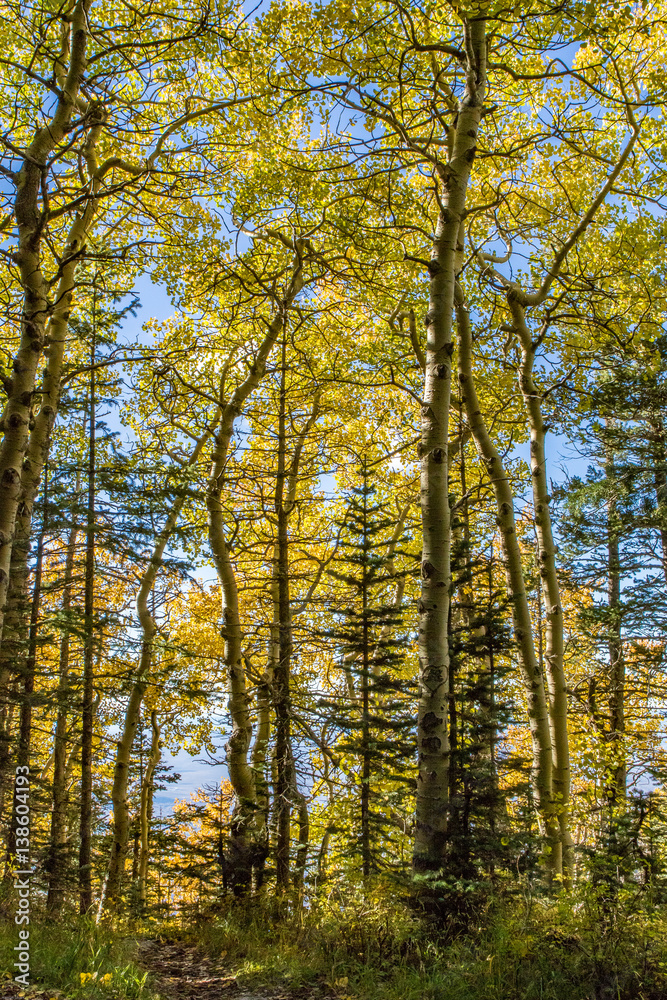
(577,949)
(73,956)
(584,947)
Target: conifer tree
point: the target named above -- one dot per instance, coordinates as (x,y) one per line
(376,723)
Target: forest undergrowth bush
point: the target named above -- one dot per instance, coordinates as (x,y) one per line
(589,945)
(79,959)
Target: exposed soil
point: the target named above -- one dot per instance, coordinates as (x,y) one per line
(182,972)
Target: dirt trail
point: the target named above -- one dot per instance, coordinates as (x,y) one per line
(182,972)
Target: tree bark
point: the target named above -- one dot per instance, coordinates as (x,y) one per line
(246,817)
(87,712)
(37,447)
(31,232)
(119,793)
(55,863)
(538,713)
(555,643)
(27,675)
(281,680)
(303,838)
(432,730)
(146,809)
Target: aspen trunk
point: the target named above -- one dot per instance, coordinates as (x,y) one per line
(87,712)
(55,864)
(365,706)
(119,798)
(37,446)
(243,838)
(259,762)
(303,837)
(555,644)
(281,680)
(432,731)
(518,300)
(35,312)
(538,713)
(119,793)
(27,669)
(147,809)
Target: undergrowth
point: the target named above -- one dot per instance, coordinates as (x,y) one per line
(372,946)
(79,959)
(375,948)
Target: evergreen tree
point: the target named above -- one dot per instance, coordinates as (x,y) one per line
(376,721)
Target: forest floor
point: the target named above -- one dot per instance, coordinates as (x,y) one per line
(183,972)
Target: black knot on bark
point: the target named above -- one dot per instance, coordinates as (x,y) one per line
(430,721)
(427,570)
(433,267)
(11,477)
(431,743)
(438,455)
(441,371)
(428,318)
(421,607)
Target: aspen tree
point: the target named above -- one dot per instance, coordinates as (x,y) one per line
(553,788)
(69,69)
(146,808)
(243,845)
(142,678)
(55,864)
(88,679)
(452,178)
(287,477)
(27,673)
(83,158)
(538,713)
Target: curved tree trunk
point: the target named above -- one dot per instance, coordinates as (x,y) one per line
(245,842)
(538,712)
(119,797)
(555,644)
(30,222)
